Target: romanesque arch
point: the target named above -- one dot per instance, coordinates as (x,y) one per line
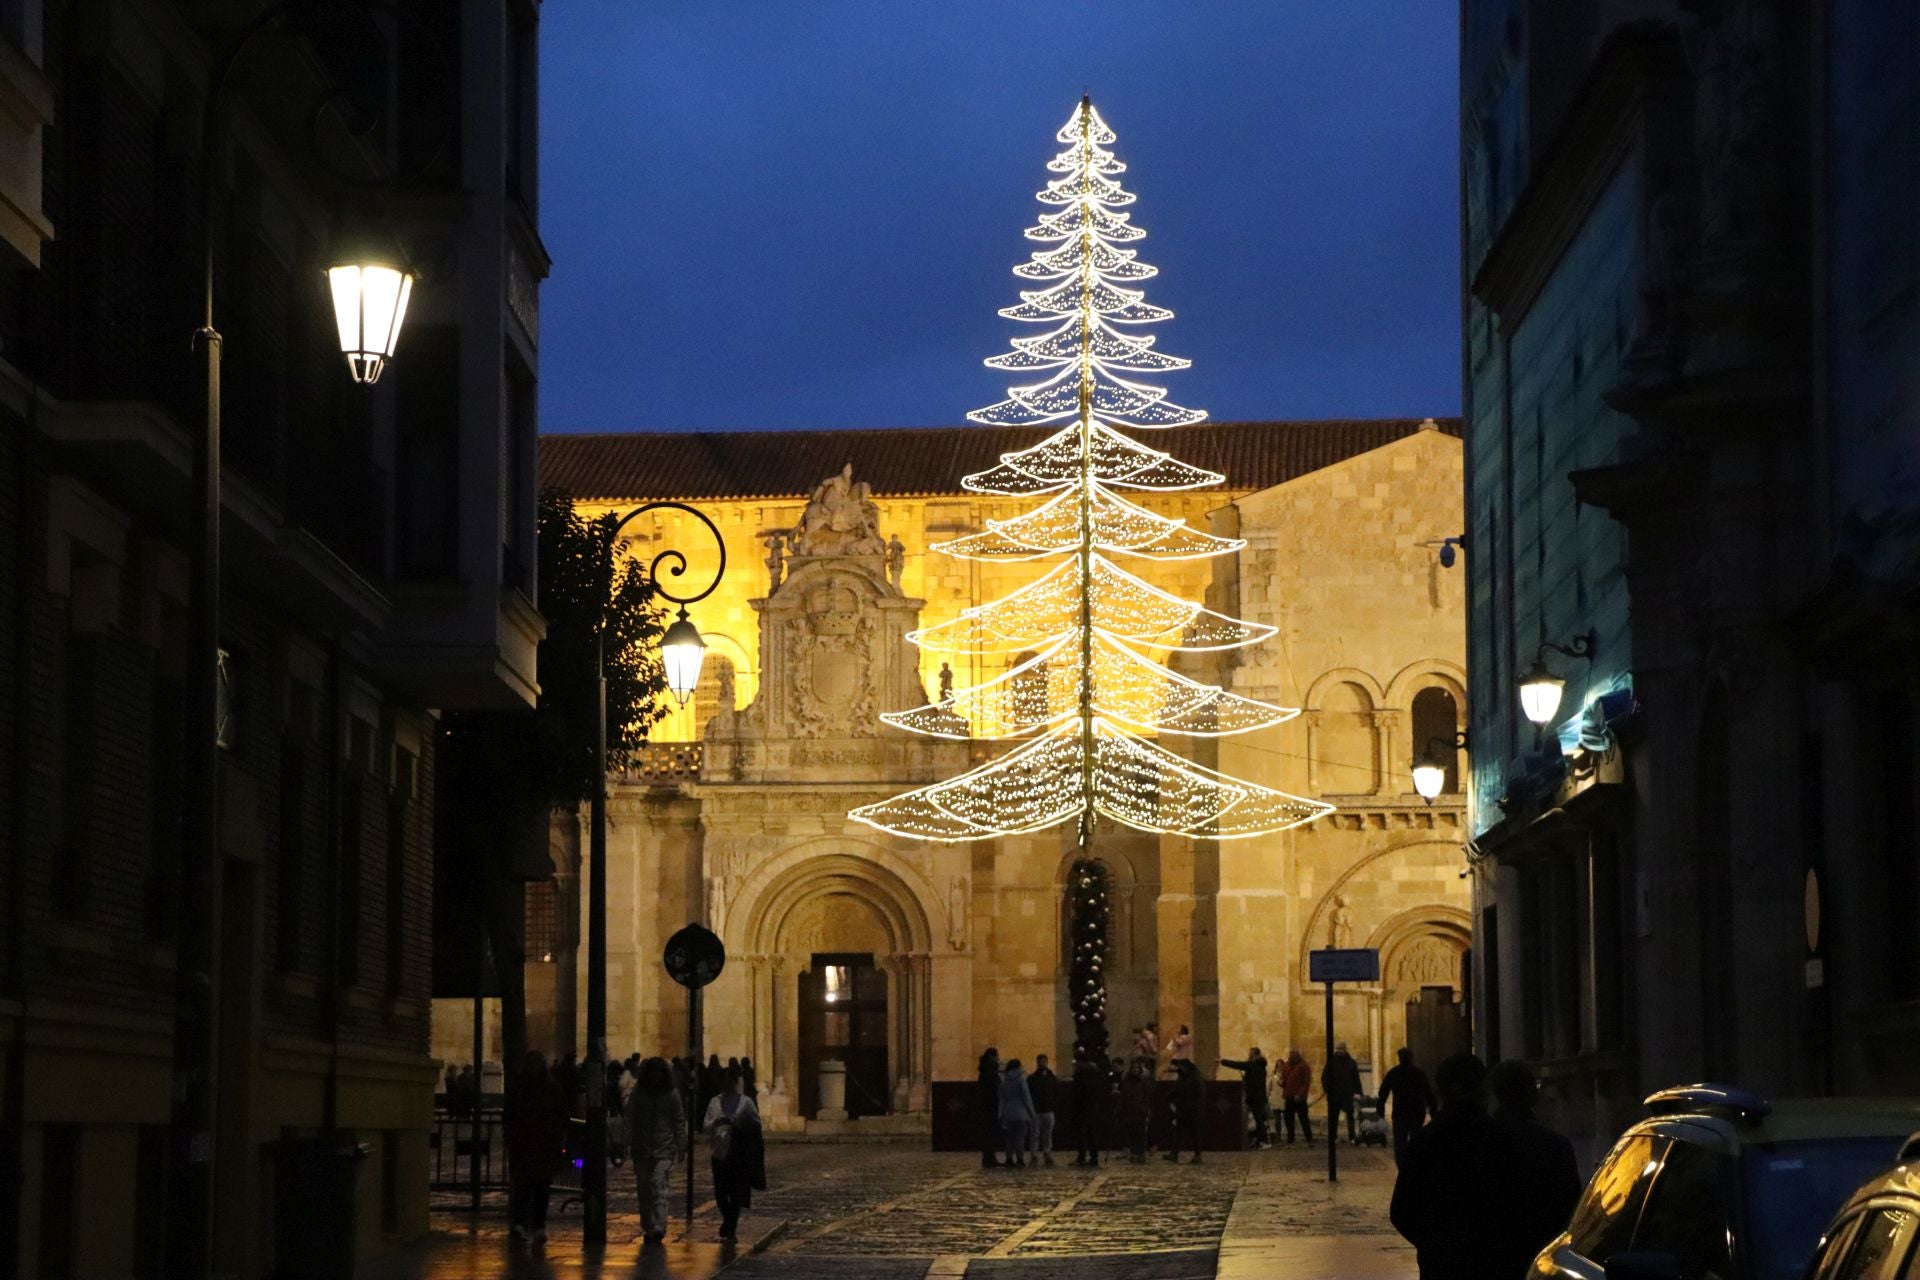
(834,897)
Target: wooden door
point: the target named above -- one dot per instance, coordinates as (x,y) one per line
(843,1016)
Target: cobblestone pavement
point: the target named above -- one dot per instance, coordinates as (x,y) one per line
(877,1211)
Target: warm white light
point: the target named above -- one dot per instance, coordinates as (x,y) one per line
(1090,688)
(682,650)
(1540,694)
(369,306)
(1429,779)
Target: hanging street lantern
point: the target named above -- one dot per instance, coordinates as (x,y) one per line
(369,306)
(681,650)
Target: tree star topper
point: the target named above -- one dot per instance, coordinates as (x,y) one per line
(1094,692)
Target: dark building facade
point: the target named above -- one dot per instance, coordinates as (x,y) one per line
(1691,361)
(377,568)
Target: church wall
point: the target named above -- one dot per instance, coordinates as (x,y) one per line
(1366,618)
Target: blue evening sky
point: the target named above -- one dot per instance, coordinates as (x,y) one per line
(802,213)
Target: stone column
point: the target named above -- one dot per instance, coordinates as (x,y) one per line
(899,1034)
(920,967)
(1393,752)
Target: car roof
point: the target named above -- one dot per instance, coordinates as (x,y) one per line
(1793,1120)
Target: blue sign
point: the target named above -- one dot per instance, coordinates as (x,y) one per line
(1344,964)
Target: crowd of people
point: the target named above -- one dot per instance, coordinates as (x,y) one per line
(1017,1108)
(647,1102)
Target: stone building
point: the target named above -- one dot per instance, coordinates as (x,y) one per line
(1691,436)
(375,569)
(904,958)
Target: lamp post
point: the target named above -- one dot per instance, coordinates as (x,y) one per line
(370,306)
(681,652)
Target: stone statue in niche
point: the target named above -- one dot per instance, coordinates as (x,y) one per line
(896,560)
(716,902)
(957,912)
(946,684)
(841,519)
(776,562)
(1340,924)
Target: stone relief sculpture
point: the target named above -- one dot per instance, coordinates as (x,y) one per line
(1428,962)
(841,519)
(776,561)
(1340,924)
(896,560)
(716,902)
(957,913)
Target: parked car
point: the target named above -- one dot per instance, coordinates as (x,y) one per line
(1872,1237)
(1719,1184)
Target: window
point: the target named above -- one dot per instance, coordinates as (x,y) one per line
(294,752)
(542,921)
(1792,1188)
(1436,719)
(1603,1224)
(1882,1243)
(1685,1213)
(1344,747)
(73,840)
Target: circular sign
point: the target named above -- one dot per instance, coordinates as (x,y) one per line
(694,956)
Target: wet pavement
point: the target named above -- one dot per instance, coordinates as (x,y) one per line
(878,1211)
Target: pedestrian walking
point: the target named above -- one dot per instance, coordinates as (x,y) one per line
(1542,1172)
(1407,1090)
(1092,1097)
(1253,1075)
(1044,1087)
(1016,1113)
(1189,1099)
(1450,1198)
(537,1115)
(1180,1048)
(656,1138)
(734,1143)
(1296,1082)
(1340,1081)
(1136,1109)
(1118,1069)
(986,1107)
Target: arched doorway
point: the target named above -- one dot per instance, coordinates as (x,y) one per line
(1423,989)
(837,948)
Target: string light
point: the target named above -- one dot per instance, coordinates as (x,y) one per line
(1087,695)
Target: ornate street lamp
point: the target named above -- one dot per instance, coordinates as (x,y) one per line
(681,650)
(1540,689)
(370,299)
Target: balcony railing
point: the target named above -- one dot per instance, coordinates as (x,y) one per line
(665,763)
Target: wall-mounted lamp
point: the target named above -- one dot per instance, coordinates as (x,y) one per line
(1540,689)
(1430,770)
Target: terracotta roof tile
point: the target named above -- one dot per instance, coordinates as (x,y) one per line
(903,462)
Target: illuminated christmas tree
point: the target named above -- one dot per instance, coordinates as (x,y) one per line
(1088,703)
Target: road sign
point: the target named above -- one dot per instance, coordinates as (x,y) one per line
(1344,964)
(694,957)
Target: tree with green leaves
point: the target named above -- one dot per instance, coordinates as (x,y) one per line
(501,774)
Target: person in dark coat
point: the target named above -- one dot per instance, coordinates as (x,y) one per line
(1044,1086)
(1340,1081)
(986,1105)
(1406,1087)
(1450,1198)
(735,1143)
(713,1078)
(1189,1098)
(1544,1174)
(537,1115)
(1093,1096)
(1136,1109)
(1253,1074)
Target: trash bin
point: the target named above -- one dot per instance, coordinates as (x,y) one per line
(315,1220)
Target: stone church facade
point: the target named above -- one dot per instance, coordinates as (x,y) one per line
(903,958)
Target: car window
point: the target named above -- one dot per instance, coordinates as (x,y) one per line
(1833,1247)
(1879,1247)
(1793,1189)
(1603,1224)
(1686,1211)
